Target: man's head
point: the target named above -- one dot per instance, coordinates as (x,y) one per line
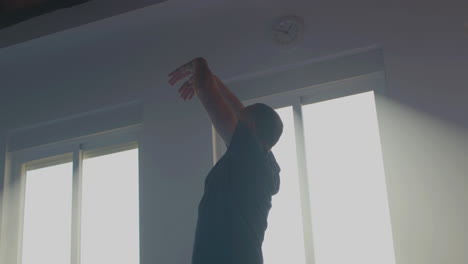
(265,122)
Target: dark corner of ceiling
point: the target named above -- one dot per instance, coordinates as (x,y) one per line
(14,11)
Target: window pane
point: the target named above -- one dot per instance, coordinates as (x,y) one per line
(350,215)
(47,215)
(110,209)
(284,240)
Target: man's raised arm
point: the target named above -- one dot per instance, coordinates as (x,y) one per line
(233,101)
(205,85)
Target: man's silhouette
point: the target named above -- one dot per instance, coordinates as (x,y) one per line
(233,212)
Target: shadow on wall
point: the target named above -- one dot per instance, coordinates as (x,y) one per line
(426,166)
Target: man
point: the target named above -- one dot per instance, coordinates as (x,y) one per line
(233,212)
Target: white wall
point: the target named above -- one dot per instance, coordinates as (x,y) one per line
(426,168)
(127,58)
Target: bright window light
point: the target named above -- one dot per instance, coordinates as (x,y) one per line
(110,209)
(284,239)
(350,214)
(47,215)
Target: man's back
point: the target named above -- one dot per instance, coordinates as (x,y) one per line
(232,215)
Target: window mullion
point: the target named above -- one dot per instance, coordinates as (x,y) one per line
(303,181)
(76,206)
(12,229)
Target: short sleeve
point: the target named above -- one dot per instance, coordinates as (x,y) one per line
(248,164)
(244,141)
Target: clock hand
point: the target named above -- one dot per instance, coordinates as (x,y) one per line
(285,32)
(282,31)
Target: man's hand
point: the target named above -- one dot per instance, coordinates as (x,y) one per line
(203,83)
(191,68)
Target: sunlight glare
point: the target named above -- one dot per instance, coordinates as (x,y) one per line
(47,215)
(350,213)
(110,209)
(284,239)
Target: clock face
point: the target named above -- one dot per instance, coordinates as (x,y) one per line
(288,31)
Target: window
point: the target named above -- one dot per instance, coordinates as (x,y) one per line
(109,217)
(284,238)
(80,198)
(332,206)
(47,215)
(349,207)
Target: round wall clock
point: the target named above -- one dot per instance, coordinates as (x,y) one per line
(288,31)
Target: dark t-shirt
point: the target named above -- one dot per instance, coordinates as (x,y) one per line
(232,215)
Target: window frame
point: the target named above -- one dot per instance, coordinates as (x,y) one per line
(73,150)
(298,98)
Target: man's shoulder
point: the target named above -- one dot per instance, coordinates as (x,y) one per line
(242,135)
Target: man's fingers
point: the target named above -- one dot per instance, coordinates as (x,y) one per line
(184,95)
(181,89)
(187,67)
(181,73)
(185,92)
(192,93)
(187,88)
(178,77)
(187,84)
(180,68)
